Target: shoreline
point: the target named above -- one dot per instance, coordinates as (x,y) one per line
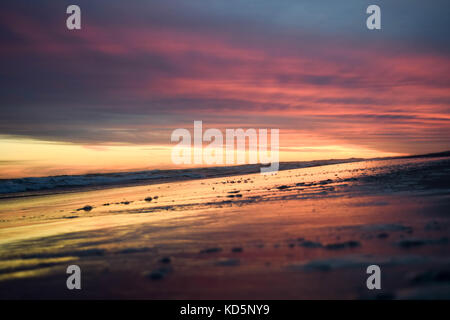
(174,175)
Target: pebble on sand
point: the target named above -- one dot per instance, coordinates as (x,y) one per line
(383,235)
(409,243)
(228,262)
(310,244)
(343,245)
(211,250)
(166,260)
(86,208)
(157,274)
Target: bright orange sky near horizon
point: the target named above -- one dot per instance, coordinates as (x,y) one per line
(107,97)
(81,159)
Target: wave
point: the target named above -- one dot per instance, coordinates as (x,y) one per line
(21,185)
(31,185)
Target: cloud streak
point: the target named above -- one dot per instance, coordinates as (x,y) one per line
(138,70)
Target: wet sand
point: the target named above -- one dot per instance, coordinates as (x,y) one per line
(300,234)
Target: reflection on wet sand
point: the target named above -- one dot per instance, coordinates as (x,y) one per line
(303,233)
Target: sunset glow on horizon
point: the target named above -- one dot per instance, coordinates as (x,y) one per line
(73,159)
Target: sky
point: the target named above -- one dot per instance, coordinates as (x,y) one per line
(107,97)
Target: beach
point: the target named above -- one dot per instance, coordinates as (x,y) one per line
(305,233)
